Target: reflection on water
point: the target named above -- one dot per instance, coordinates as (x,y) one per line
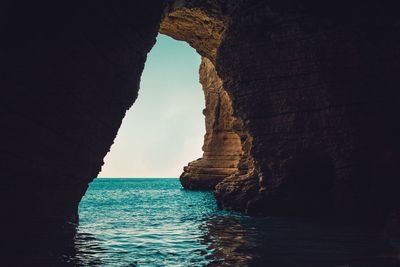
(245,241)
(88,251)
(155,223)
(53,247)
(236,240)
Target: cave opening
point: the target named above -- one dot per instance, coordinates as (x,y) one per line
(138,213)
(299,77)
(164,129)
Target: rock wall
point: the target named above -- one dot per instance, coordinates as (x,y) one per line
(313,90)
(68,74)
(222,146)
(315,87)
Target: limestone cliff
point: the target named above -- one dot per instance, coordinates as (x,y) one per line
(222,146)
(202,24)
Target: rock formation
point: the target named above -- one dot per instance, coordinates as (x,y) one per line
(306,93)
(303,82)
(68,75)
(309,87)
(222,146)
(202,24)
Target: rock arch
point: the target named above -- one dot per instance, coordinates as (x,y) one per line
(203,26)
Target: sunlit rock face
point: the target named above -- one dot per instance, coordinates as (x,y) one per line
(202,24)
(222,146)
(200,28)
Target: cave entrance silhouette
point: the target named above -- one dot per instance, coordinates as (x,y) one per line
(164,128)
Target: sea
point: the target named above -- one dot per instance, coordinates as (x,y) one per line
(155,222)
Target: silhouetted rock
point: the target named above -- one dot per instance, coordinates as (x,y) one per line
(68,75)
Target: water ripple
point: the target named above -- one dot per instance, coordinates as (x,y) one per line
(153,222)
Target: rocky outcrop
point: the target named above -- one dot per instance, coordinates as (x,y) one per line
(201,29)
(306,81)
(202,24)
(199,23)
(222,146)
(314,86)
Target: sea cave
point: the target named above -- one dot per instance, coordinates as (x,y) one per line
(300,114)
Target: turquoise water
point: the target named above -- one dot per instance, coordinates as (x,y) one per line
(147,222)
(154,222)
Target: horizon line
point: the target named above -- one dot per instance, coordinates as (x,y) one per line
(136,177)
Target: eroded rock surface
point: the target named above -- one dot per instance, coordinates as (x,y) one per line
(222,146)
(202,24)
(315,88)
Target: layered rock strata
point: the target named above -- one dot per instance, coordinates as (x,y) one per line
(222,146)
(315,87)
(202,24)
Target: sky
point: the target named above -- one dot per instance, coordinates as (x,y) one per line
(164,128)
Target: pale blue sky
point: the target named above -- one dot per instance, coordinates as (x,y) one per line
(164,129)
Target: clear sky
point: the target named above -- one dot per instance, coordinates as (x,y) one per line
(164,128)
